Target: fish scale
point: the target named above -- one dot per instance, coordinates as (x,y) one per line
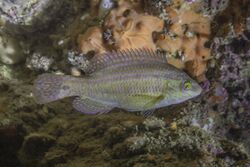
(123,86)
(138,69)
(131,91)
(136,66)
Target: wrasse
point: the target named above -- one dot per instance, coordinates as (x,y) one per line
(135,80)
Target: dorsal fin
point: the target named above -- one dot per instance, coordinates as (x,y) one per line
(116,58)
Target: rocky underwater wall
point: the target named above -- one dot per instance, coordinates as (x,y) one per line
(207,39)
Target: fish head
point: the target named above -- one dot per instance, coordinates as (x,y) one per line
(182,88)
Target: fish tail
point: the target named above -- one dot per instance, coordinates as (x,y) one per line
(50,87)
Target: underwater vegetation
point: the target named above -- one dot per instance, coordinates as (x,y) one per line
(186,59)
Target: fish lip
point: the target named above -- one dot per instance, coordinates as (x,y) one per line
(199,90)
(196,92)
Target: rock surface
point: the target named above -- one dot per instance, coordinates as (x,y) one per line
(212,130)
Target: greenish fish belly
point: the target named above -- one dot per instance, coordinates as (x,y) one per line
(136,93)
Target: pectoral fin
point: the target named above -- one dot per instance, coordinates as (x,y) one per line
(149,107)
(141,102)
(89,106)
(153,102)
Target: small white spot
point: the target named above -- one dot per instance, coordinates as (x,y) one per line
(83,17)
(61,42)
(75,72)
(59,73)
(190,34)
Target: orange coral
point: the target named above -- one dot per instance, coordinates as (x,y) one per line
(91,40)
(132,30)
(189,33)
(129,30)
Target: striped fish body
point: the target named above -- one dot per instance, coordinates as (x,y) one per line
(135,80)
(134,87)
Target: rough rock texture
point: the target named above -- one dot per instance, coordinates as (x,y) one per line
(11,50)
(212,130)
(30,16)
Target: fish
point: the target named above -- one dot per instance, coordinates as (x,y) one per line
(132,79)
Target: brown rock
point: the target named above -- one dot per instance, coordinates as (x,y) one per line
(37,144)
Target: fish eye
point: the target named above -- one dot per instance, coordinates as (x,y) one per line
(187,85)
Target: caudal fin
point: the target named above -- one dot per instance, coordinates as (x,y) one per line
(50,87)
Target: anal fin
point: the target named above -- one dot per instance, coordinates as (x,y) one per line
(89,106)
(147,113)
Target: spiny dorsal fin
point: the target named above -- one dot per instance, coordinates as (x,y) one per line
(127,56)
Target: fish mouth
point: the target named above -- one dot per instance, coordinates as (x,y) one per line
(197,90)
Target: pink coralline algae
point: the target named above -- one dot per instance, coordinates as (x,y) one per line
(235,71)
(230,83)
